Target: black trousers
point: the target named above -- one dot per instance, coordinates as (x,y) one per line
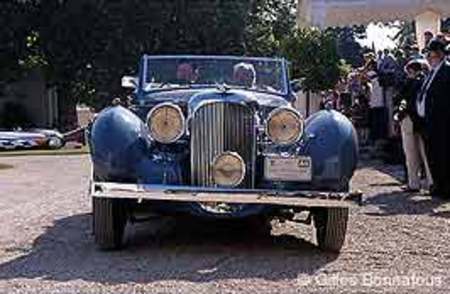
(378,123)
(438,150)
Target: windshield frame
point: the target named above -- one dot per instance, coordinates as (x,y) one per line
(143,70)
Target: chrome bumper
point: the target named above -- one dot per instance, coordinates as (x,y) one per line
(236,196)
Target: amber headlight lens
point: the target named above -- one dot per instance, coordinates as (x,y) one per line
(166,123)
(284,126)
(228,170)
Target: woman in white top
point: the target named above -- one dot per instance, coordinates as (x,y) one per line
(377,108)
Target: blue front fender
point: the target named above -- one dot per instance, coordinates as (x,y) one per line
(333,146)
(122,151)
(118,144)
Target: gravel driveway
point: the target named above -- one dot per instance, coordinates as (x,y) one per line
(396,243)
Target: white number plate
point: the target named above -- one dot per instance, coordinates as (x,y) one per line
(296,169)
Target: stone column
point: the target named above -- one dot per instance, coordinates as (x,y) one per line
(303,13)
(428,20)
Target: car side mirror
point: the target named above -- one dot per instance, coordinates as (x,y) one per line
(296,86)
(129,82)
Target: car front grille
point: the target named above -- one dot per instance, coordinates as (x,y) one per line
(218,127)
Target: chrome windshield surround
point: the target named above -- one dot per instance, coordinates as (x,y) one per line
(284,76)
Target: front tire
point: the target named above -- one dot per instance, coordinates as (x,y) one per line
(55,143)
(331,227)
(110,219)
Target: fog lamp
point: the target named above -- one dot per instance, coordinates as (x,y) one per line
(228,169)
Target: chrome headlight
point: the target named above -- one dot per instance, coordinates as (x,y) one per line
(284,126)
(228,169)
(166,123)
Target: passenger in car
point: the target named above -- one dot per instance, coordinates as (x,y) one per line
(244,75)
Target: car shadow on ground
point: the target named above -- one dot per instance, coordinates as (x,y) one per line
(66,251)
(402,203)
(397,172)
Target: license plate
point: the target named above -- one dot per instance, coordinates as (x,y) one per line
(295,169)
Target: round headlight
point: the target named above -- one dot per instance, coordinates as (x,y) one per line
(228,169)
(166,123)
(284,126)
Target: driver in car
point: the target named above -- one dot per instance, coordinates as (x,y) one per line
(186,73)
(244,75)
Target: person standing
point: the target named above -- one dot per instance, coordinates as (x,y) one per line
(428,37)
(415,53)
(388,81)
(412,127)
(389,63)
(377,109)
(433,104)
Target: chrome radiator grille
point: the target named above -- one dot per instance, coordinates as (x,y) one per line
(216,128)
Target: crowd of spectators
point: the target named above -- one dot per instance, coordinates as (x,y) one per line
(402,97)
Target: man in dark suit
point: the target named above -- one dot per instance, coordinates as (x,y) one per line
(433,104)
(412,126)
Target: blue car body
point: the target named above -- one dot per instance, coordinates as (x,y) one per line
(123,152)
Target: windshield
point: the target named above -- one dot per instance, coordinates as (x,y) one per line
(259,74)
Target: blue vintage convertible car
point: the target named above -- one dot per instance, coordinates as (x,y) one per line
(217,137)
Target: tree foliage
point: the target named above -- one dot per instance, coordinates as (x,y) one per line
(89,45)
(85,46)
(347,46)
(268,23)
(314,58)
(446,25)
(16,21)
(406,34)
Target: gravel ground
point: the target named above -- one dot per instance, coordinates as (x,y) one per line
(396,243)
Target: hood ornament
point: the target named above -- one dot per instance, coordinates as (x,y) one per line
(224,88)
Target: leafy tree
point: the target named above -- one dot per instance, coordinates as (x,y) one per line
(406,34)
(446,25)
(16,25)
(348,47)
(268,23)
(314,58)
(85,46)
(204,27)
(67,37)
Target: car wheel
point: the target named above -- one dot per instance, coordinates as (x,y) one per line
(55,143)
(331,227)
(110,219)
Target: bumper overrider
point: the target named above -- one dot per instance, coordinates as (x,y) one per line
(185,194)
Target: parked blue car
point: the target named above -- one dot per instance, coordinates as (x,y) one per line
(217,137)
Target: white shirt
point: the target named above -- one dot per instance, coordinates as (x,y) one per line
(421,101)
